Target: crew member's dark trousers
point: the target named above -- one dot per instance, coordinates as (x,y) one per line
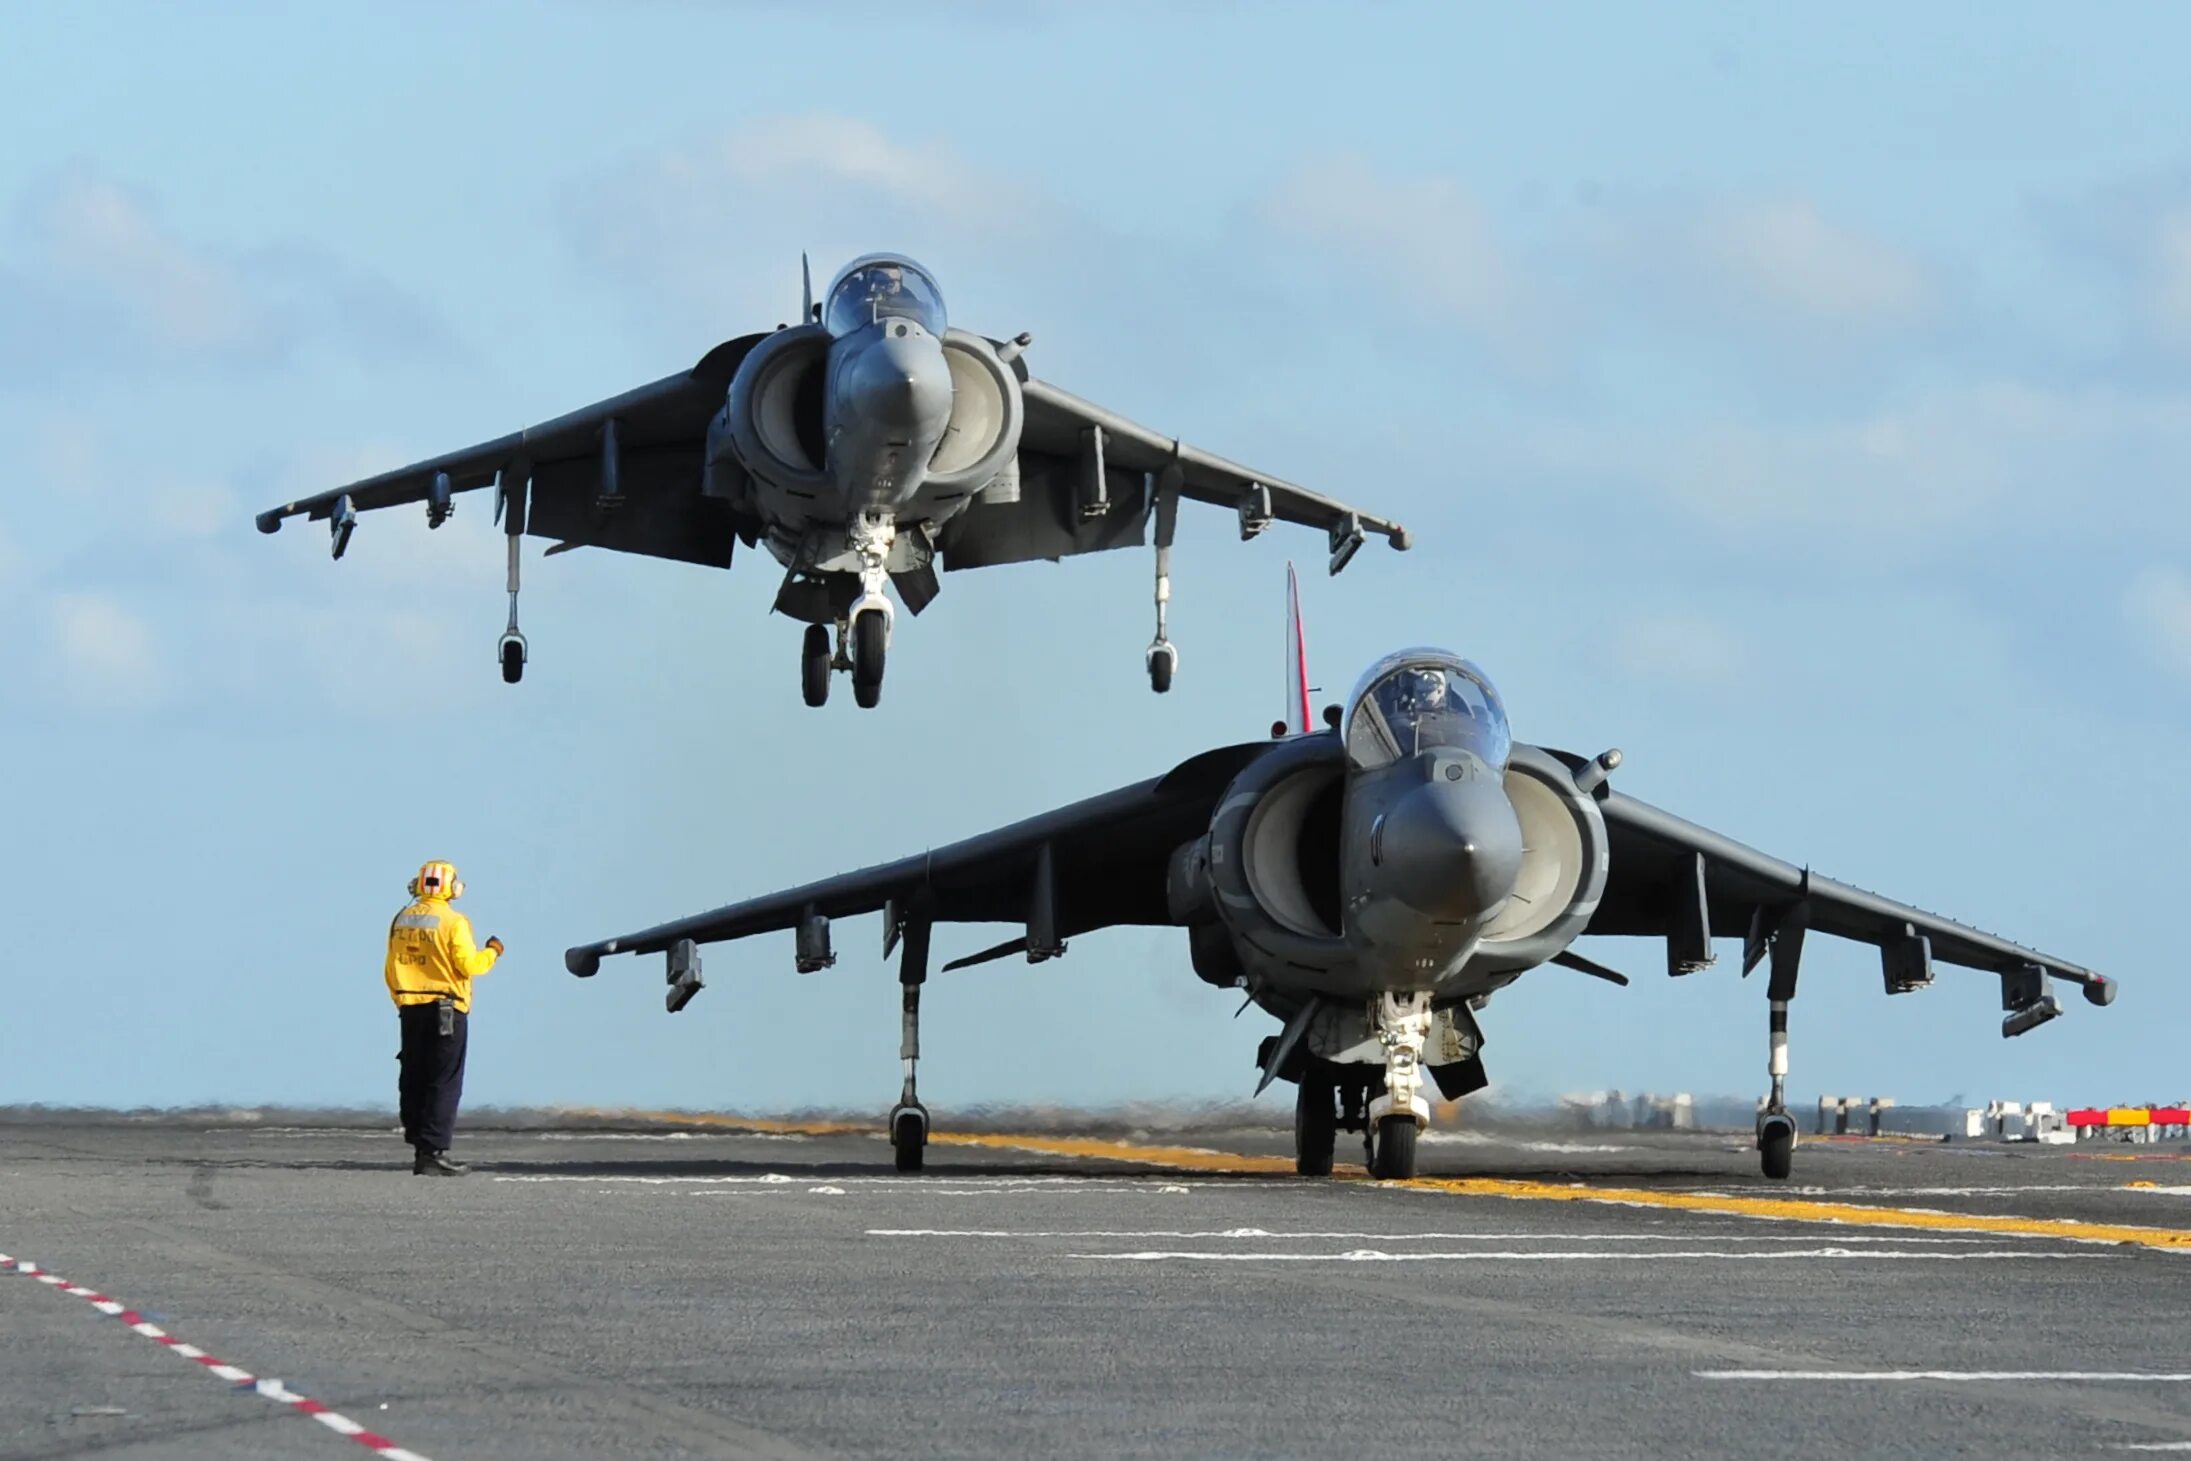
(432,1078)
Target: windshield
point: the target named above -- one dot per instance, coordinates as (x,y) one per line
(874,289)
(1422,701)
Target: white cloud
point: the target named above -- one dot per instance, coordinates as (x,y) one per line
(1424,236)
(104,651)
(2171,288)
(101,276)
(832,149)
(715,228)
(1682,649)
(93,232)
(1786,258)
(1993,460)
(2157,604)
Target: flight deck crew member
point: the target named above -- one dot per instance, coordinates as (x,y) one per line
(431,965)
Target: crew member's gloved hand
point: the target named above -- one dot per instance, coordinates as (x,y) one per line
(496,945)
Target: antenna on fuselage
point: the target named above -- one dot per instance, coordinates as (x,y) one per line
(806,290)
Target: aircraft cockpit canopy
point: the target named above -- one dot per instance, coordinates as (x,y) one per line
(880,287)
(1425,699)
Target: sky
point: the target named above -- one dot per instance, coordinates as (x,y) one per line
(1797,399)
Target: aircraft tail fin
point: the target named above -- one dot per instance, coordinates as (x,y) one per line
(1298,719)
(806,290)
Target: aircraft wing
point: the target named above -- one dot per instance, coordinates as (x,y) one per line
(1085,473)
(1089,865)
(624,473)
(1671,878)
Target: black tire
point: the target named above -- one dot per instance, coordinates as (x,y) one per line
(1315,1127)
(513,662)
(870,647)
(1160,673)
(1392,1157)
(909,1139)
(814,665)
(1776,1150)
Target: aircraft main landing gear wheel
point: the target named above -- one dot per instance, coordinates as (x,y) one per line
(1776,1147)
(870,644)
(512,654)
(1315,1127)
(1392,1153)
(814,665)
(909,1139)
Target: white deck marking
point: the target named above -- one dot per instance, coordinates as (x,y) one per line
(1541,1255)
(2150,1377)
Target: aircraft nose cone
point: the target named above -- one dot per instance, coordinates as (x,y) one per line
(902,382)
(1452,849)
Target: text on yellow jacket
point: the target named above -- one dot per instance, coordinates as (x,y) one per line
(431,955)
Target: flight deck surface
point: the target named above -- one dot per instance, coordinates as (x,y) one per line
(712,1287)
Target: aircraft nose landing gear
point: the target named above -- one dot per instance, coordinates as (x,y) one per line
(870,646)
(1402,1023)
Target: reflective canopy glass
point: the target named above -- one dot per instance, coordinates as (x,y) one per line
(1422,700)
(883,288)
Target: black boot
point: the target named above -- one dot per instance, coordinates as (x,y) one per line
(430,1163)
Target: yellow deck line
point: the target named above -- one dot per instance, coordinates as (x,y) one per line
(1806,1210)
(1198,1159)
(1181,1158)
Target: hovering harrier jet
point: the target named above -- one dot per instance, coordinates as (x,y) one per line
(1372,885)
(863,446)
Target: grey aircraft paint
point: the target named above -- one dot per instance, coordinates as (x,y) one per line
(863,447)
(1372,886)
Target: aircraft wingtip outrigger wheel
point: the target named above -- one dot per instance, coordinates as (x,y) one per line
(512,652)
(1776,1145)
(1163,660)
(909,1137)
(814,665)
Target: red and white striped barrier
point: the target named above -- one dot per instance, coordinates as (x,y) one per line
(273,1390)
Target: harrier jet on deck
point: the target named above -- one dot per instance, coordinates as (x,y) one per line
(1372,886)
(865,444)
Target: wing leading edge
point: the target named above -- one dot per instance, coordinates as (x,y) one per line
(1671,878)
(644,446)
(1089,865)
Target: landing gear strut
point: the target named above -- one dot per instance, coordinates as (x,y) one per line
(909,1118)
(1775,1127)
(1162,658)
(1402,1023)
(511,649)
(871,537)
